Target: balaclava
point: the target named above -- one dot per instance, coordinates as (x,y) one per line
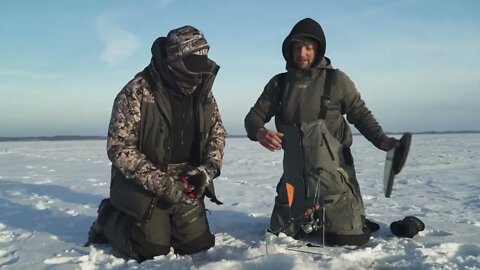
(186,56)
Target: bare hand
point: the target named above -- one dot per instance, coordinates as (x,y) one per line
(269,139)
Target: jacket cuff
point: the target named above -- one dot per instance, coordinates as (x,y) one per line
(211,170)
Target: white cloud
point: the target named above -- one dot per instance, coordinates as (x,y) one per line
(164,3)
(119,43)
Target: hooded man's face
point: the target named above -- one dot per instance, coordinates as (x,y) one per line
(303,53)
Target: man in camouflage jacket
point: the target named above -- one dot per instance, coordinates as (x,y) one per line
(166,142)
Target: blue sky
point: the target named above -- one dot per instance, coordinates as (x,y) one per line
(416,63)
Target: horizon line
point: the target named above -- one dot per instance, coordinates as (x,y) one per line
(98,137)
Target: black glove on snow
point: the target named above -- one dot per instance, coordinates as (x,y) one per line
(408,227)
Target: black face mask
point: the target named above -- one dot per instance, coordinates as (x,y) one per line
(188,71)
(196,63)
(184,79)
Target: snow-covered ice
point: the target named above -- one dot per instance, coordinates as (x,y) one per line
(49,192)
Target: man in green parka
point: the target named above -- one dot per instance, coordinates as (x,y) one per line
(166,142)
(318,194)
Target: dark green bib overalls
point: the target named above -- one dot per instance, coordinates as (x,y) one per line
(317,177)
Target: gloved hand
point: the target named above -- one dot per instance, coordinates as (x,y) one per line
(199,179)
(174,190)
(387,143)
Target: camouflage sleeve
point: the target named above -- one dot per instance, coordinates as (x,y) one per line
(215,145)
(122,139)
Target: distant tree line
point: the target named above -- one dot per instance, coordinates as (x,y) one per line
(52,138)
(89,138)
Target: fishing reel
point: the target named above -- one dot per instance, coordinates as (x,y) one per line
(314,217)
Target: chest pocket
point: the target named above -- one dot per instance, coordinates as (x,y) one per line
(328,103)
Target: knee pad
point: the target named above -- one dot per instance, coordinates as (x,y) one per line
(147,251)
(334,239)
(201,243)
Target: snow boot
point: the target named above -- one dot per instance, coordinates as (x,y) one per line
(95,234)
(372,225)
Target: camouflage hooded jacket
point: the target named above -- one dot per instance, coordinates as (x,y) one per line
(139,140)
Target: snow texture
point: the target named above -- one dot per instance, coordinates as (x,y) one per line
(49,193)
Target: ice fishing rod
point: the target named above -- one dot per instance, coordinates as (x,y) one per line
(313,222)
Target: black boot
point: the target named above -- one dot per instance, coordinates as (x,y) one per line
(408,227)
(372,225)
(95,234)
